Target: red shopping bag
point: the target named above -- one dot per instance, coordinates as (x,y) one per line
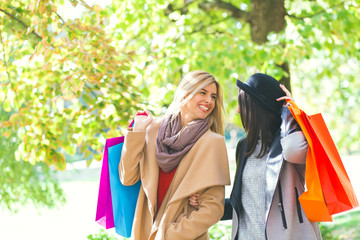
(329,190)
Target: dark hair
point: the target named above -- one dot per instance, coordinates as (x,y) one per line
(258,123)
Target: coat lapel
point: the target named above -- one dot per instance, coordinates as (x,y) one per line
(150,170)
(274,164)
(203,166)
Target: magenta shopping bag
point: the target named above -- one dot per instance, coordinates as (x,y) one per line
(104,212)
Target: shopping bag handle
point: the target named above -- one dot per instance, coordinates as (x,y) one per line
(138,114)
(292,103)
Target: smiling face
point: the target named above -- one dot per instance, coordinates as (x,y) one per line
(200,105)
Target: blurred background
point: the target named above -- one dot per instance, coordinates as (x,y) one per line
(74,72)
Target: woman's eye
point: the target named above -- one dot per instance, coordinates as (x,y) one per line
(203,93)
(213,97)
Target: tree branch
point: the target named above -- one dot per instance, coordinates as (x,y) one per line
(59,17)
(85,4)
(184,9)
(91,91)
(235,12)
(21,22)
(208,6)
(211,24)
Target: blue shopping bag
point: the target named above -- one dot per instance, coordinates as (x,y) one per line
(124,198)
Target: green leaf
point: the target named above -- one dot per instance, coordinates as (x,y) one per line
(7,106)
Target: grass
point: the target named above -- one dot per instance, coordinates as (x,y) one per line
(344,227)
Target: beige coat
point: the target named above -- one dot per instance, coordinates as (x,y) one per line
(204,169)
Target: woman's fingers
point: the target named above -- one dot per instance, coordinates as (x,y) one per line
(287,92)
(194,199)
(147,112)
(283,98)
(142,120)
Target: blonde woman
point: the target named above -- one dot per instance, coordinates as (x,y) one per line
(176,156)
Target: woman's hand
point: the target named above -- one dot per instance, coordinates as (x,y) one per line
(194,200)
(288,94)
(142,120)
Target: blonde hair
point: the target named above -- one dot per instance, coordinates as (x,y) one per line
(191,84)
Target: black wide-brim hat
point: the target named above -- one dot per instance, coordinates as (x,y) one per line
(264,89)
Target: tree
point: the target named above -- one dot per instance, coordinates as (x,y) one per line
(310,45)
(70,83)
(65,82)
(21,182)
(64,85)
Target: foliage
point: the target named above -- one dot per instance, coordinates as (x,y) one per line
(326,232)
(66,84)
(102,235)
(65,87)
(320,43)
(70,86)
(21,182)
(220,231)
(326,77)
(70,82)
(344,226)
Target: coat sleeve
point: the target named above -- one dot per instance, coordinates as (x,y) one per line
(211,208)
(132,154)
(293,141)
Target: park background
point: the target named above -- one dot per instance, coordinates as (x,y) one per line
(73,72)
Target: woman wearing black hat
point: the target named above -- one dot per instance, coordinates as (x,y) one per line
(270,174)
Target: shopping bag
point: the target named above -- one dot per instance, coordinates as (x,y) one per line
(329,190)
(312,200)
(338,191)
(124,198)
(104,211)
(116,202)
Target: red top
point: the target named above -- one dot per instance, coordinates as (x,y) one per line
(163,185)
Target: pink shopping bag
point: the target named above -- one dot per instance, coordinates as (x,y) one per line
(104,212)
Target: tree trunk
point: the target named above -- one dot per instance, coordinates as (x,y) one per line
(269,16)
(285,80)
(264,17)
